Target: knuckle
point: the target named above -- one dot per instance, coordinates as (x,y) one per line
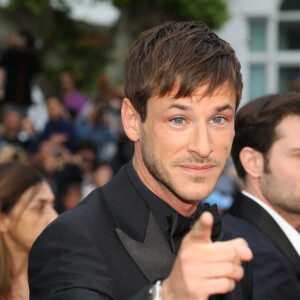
(232,252)
(241,241)
(228,284)
(230,269)
(240,272)
(185,255)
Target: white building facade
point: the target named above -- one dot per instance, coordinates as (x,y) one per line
(266,37)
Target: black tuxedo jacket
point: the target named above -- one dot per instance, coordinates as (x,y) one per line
(276,264)
(109,247)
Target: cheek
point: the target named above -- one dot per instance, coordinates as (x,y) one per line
(284,172)
(156,140)
(170,142)
(223,141)
(31,227)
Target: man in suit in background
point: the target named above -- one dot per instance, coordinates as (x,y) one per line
(266,153)
(182,86)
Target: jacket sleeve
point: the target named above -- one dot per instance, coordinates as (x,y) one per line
(275,280)
(62,267)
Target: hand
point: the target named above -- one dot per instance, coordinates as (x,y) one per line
(203,268)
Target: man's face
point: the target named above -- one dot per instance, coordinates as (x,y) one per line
(280,184)
(184,143)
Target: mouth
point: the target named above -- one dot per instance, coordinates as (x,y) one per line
(199,170)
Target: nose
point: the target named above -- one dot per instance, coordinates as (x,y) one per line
(200,142)
(52,215)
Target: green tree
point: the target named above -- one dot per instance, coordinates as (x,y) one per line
(88,50)
(66,43)
(212,12)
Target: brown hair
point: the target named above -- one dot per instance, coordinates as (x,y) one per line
(15,179)
(183,53)
(256,122)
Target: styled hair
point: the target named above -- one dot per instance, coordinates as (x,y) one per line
(15,179)
(256,122)
(181,55)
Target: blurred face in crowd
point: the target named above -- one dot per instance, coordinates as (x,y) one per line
(55,108)
(45,157)
(66,81)
(71,197)
(86,160)
(280,183)
(102,175)
(28,218)
(183,145)
(12,124)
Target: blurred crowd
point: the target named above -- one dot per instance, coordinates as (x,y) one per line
(78,143)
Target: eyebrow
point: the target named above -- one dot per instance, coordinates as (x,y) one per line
(296,149)
(225,107)
(188,108)
(45,200)
(180,106)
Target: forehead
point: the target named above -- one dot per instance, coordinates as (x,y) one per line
(289,127)
(225,90)
(223,95)
(40,191)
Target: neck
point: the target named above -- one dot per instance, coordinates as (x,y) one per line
(19,255)
(185,208)
(20,288)
(292,218)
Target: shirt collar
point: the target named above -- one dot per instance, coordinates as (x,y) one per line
(159,208)
(291,233)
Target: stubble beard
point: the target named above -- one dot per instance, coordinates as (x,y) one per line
(284,199)
(160,174)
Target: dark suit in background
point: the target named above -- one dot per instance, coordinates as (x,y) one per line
(276,264)
(110,247)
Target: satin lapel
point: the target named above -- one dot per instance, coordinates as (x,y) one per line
(137,228)
(247,209)
(153,256)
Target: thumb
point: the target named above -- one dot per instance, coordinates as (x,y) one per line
(201,232)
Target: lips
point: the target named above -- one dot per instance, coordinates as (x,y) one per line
(198,169)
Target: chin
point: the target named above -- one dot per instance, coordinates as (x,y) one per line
(196,196)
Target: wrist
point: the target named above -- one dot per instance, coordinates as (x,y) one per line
(156,291)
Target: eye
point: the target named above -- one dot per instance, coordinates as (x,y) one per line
(40,208)
(218,119)
(178,121)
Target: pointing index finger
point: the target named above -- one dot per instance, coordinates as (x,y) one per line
(201,232)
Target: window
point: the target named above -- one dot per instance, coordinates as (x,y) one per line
(258,33)
(273,55)
(289,35)
(290,5)
(289,78)
(257,80)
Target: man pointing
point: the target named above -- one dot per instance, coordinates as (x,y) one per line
(138,237)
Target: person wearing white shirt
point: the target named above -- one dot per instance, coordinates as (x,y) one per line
(266,154)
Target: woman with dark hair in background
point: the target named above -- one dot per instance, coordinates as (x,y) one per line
(26,208)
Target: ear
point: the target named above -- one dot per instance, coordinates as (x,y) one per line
(4,223)
(252,161)
(131,120)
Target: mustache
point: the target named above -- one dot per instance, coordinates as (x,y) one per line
(198,161)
